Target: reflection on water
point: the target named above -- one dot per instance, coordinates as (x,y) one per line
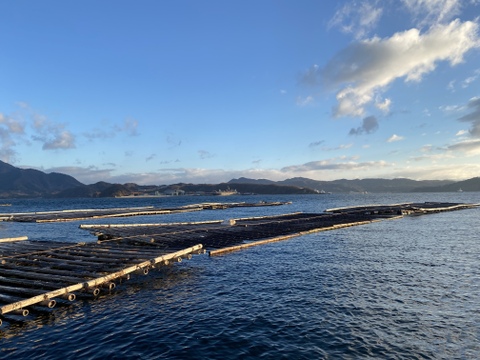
(404,288)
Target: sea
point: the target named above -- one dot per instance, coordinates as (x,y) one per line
(407,288)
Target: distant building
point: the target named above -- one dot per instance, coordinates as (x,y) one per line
(174,192)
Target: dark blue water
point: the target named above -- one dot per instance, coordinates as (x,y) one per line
(397,289)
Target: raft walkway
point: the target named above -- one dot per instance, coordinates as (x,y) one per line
(36,275)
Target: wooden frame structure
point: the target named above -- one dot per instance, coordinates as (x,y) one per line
(40,273)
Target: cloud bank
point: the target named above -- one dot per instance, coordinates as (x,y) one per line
(361,72)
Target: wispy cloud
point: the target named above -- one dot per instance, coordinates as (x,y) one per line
(339,147)
(52,134)
(204,154)
(316,143)
(130,127)
(7,145)
(428,12)
(357,18)
(334,165)
(13,125)
(106,131)
(173,141)
(63,139)
(395,138)
(304,101)
(151,157)
(11,129)
(471,79)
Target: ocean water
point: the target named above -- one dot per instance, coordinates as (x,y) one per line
(397,289)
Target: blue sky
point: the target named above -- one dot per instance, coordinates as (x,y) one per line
(161,92)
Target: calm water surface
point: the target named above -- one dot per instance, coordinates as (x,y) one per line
(398,289)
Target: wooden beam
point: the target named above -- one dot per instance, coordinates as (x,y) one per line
(20,238)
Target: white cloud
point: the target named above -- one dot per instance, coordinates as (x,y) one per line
(7,145)
(339,147)
(11,130)
(427,12)
(451,108)
(52,134)
(466,83)
(439,172)
(60,140)
(395,138)
(357,18)
(469,147)
(304,101)
(363,70)
(451,86)
(16,126)
(383,105)
(461,132)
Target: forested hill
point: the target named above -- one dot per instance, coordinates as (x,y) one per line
(16,182)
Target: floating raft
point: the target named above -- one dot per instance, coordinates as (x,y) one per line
(85,214)
(224,236)
(34,273)
(402,209)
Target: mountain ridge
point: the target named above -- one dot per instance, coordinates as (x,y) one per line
(16,182)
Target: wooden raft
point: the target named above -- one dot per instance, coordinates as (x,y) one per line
(223,236)
(34,273)
(85,214)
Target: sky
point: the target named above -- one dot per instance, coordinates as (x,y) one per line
(205,91)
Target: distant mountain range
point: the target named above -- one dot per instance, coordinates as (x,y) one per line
(400,185)
(16,182)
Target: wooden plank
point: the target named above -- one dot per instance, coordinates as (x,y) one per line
(20,238)
(90,226)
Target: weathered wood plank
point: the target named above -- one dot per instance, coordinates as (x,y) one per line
(20,238)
